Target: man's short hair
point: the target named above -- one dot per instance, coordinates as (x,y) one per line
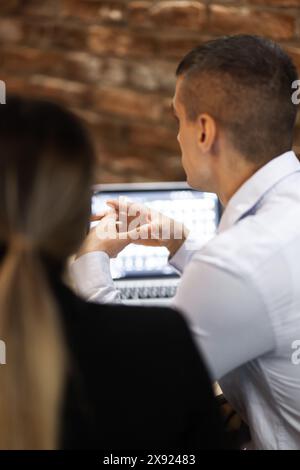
(245,83)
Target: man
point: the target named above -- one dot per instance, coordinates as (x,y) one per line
(240,292)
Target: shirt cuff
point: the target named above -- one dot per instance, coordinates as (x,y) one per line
(90,272)
(185,253)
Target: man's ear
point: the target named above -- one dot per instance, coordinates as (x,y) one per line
(207,132)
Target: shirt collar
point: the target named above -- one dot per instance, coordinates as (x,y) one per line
(253,190)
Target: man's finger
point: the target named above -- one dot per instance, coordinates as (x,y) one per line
(124,204)
(110,215)
(140,233)
(98,216)
(120,203)
(113,203)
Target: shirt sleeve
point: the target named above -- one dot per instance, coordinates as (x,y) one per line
(185,253)
(226,314)
(92,279)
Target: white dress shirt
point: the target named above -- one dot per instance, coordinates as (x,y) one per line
(240,294)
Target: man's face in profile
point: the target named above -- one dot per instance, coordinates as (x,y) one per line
(193,162)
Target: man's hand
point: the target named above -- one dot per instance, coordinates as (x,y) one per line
(148,227)
(104,237)
(130,222)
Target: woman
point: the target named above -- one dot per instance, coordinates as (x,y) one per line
(80,375)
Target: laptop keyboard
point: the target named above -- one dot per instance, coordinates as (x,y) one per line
(147,289)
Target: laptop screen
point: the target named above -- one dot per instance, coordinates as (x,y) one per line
(199,211)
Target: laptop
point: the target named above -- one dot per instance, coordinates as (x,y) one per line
(142,274)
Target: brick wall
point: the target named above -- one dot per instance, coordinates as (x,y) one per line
(113,62)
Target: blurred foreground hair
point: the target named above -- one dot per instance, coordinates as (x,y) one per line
(46,166)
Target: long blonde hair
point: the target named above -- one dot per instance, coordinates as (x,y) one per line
(46,165)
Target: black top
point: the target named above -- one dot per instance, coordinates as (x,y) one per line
(136,380)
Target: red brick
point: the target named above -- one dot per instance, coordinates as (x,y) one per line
(113,72)
(80,66)
(112,129)
(119,157)
(131,104)
(233,20)
(54,34)
(139,13)
(20,59)
(191,15)
(174,47)
(294,53)
(157,138)
(185,14)
(9,6)
(113,63)
(277,3)
(120,42)
(91,118)
(152,75)
(40,8)
(14,84)
(130,167)
(73,65)
(57,89)
(11,30)
(110,11)
(104,175)
(69,36)
(127,169)
(172,169)
(144,139)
